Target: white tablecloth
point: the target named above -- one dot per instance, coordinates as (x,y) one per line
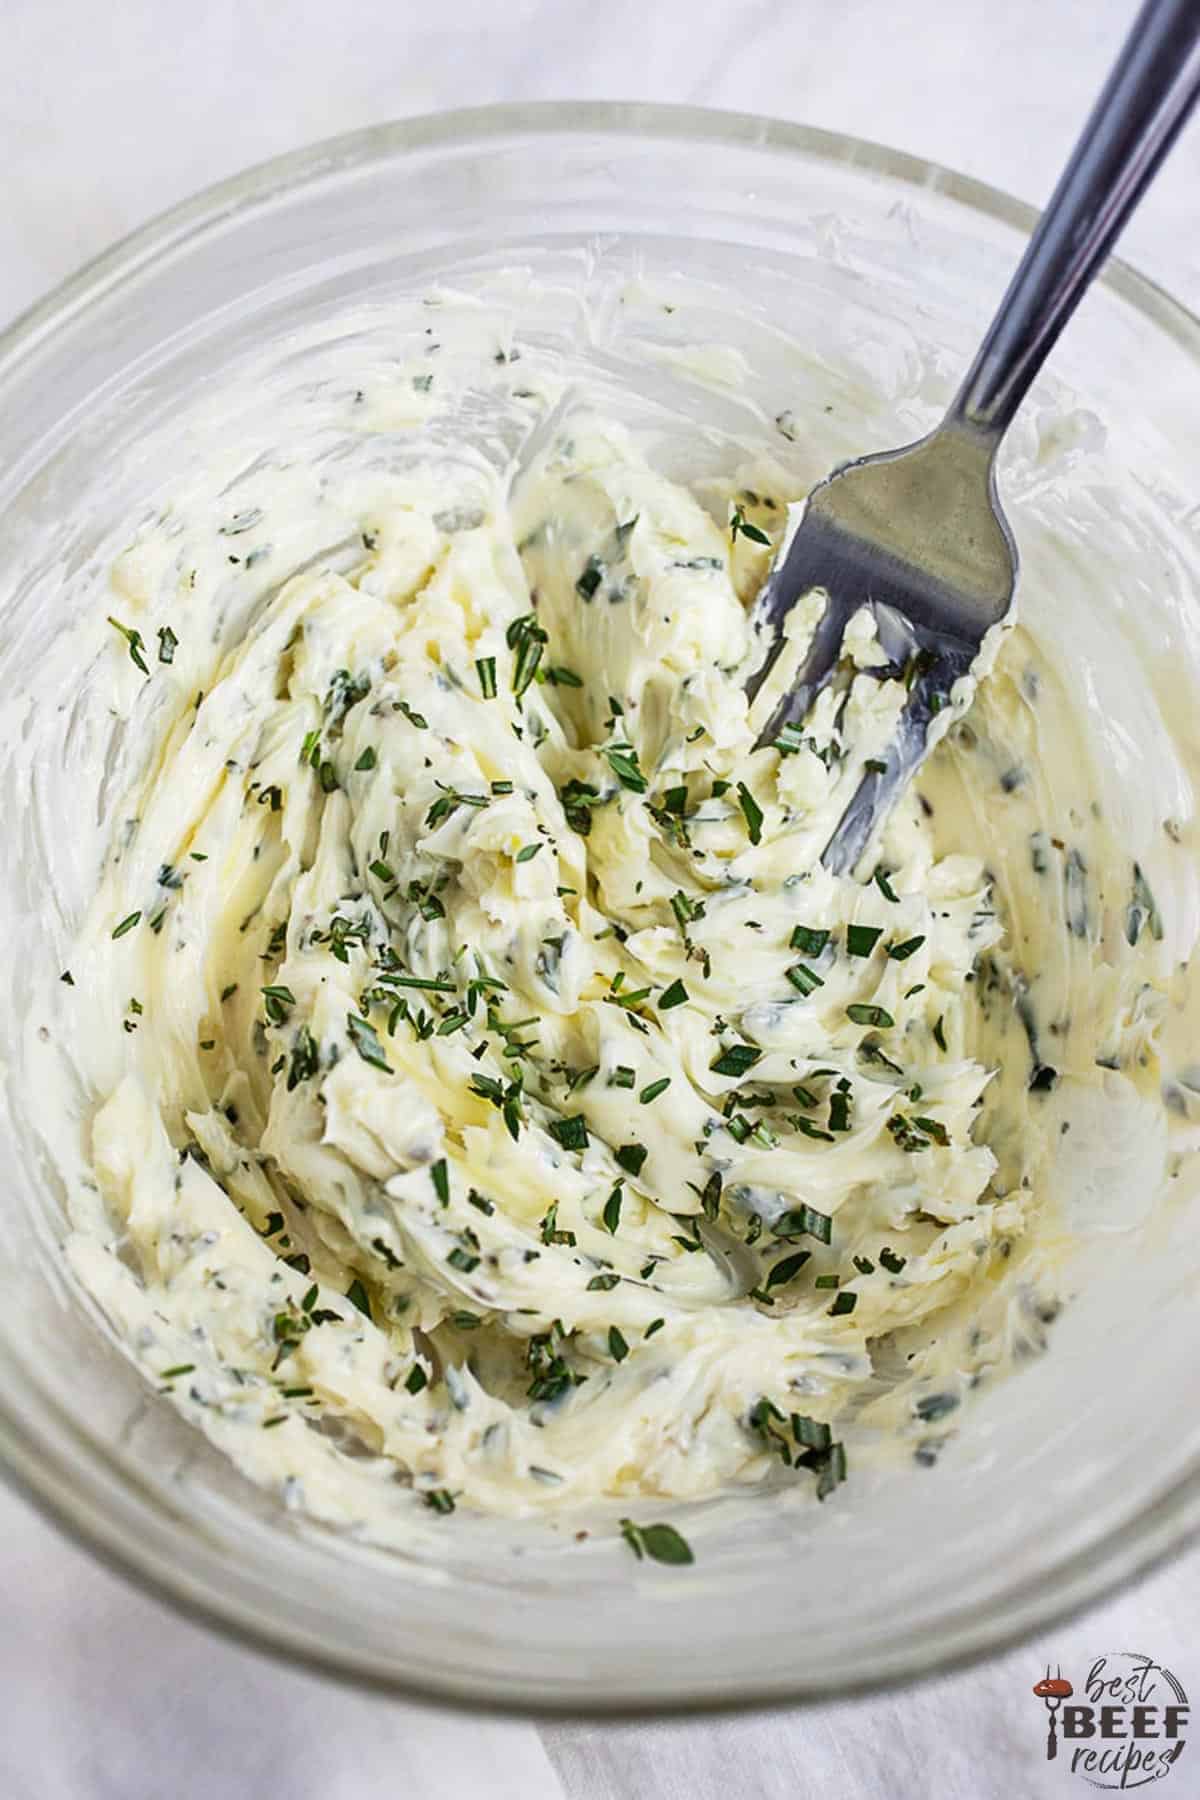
(110,113)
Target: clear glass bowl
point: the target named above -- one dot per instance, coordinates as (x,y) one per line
(1073,1475)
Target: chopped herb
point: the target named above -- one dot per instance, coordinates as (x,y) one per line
(751,812)
(890,1261)
(804,1221)
(902,952)
(612,1210)
(502,787)
(735,1060)
(527,639)
(134,640)
(654,1089)
(366,761)
(485,668)
(278,1003)
(127,924)
(417,720)
(357,1294)
(571,1133)
(839,1110)
(805,979)
(739,525)
(862,939)
(578,799)
(805,938)
(674,995)
(448,803)
(560,677)
(67,977)
(789,1266)
(661,1542)
(590,579)
(362,1036)
(439,1174)
(439,1500)
(1143,910)
(416,1379)
(618,1349)
(602,1284)
(830,1469)
(551,1233)
(845,1302)
(306,1058)
(622,760)
(933,1129)
(631,1157)
(527,852)
(939,1035)
(168,643)
(179,1369)
(652,1327)
(465,1260)
(885,887)
(869,1015)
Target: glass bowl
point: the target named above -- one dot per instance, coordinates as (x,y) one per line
(880,272)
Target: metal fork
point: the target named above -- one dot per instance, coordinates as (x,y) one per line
(917,534)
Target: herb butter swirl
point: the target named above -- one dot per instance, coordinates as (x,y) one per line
(514,1111)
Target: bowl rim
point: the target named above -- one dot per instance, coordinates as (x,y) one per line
(30,1464)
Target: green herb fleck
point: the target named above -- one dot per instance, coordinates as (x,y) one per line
(812,942)
(869,1015)
(740,526)
(660,1542)
(631,1157)
(357,1294)
(751,812)
(134,640)
(862,939)
(362,1036)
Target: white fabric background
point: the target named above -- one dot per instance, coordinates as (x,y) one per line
(110,113)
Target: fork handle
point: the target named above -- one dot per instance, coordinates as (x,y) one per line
(1140,112)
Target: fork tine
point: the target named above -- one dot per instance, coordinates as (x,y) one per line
(813,674)
(874,794)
